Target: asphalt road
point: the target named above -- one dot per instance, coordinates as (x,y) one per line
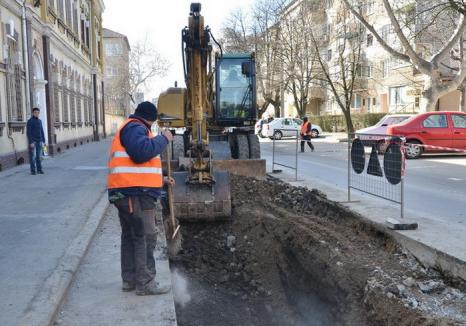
(435,185)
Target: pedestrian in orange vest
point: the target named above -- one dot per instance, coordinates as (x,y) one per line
(135,182)
(306,131)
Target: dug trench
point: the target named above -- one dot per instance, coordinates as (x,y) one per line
(289,256)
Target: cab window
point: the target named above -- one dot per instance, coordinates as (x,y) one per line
(459,121)
(436,121)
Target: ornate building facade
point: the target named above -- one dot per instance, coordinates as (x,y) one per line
(51,57)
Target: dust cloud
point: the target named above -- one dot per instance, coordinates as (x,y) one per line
(180,288)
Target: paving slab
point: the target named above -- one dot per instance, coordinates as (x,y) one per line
(40,217)
(95,298)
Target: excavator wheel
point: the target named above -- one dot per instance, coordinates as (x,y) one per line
(254,147)
(243,146)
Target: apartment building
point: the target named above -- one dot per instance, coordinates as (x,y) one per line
(384,83)
(117,89)
(50,57)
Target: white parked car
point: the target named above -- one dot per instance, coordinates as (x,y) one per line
(286,127)
(258,127)
(376,134)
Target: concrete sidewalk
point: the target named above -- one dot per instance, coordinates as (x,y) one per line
(434,243)
(95,297)
(47,223)
(44,223)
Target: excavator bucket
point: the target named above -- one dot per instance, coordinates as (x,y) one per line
(202,202)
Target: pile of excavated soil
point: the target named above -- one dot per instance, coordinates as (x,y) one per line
(289,256)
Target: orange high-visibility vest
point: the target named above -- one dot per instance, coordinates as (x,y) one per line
(123,172)
(304,131)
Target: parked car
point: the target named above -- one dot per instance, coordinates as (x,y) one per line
(445,130)
(376,134)
(258,127)
(286,127)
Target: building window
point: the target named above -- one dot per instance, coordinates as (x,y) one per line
(391,64)
(364,71)
(65,101)
(78,99)
(386,32)
(61,10)
(416,101)
(90,104)
(14,83)
(72,101)
(115,49)
(69,20)
(370,39)
(370,5)
(75,19)
(357,101)
(329,54)
(397,95)
(83,29)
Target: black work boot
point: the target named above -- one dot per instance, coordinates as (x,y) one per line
(127,286)
(152,288)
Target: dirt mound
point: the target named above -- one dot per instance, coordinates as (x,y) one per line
(291,257)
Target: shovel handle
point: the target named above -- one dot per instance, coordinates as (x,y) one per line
(170,190)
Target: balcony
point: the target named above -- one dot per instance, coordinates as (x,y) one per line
(317,92)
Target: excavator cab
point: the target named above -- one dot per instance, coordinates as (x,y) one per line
(235,90)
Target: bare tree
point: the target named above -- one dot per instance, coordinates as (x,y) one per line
(145,63)
(437,83)
(266,39)
(296,53)
(236,32)
(342,72)
(117,88)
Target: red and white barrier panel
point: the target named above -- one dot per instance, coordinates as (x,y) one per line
(440,148)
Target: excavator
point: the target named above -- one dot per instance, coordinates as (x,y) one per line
(217,113)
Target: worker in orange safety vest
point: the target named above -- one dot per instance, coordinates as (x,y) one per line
(305,133)
(135,182)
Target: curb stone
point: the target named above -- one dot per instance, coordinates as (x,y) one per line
(43,307)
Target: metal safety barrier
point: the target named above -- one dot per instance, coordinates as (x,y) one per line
(284,150)
(376,166)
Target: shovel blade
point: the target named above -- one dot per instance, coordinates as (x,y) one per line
(202,202)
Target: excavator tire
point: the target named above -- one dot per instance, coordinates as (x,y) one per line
(232,141)
(243,146)
(254,147)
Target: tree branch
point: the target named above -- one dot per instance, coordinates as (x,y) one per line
(451,42)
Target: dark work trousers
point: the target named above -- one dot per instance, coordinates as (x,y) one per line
(35,156)
(306,139)
(138,239)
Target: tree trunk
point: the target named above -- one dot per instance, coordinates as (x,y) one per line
(276,108)
(349,121)
(427,104)
(462,103)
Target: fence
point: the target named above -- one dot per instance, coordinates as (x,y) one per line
(286,151)
(376,165)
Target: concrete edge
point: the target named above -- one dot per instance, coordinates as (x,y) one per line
(425,254)
(44,306)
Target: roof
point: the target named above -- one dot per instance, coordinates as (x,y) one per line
(108,33)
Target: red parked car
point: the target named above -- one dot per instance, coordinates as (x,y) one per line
(440,129)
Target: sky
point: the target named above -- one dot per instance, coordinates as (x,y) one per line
(162,21)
